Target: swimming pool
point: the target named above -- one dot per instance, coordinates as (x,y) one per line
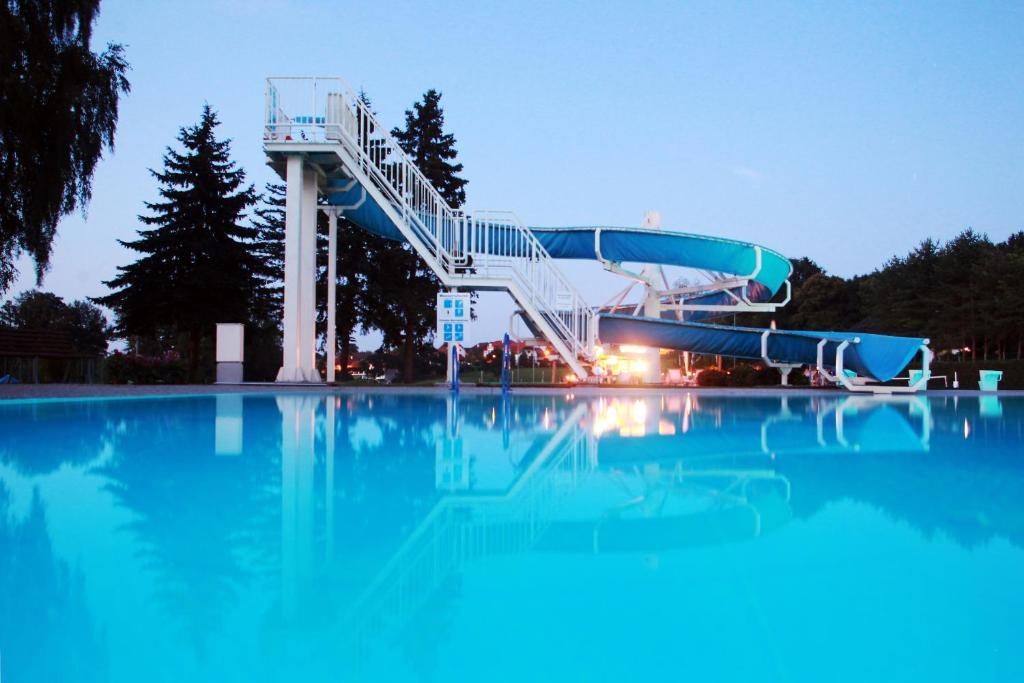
(386,536)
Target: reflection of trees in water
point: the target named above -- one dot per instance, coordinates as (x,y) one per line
(46,631)
(30,431)
(198,518)
(383,486)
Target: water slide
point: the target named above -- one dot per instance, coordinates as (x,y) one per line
(764,272)
(323,139)
(872,356)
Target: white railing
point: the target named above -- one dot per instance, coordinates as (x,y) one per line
(463,247)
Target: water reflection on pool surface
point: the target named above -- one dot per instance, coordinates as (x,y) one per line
(386,536)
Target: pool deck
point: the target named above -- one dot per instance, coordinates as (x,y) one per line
(71,391)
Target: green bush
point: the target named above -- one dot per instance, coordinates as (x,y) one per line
(130,368)
(743,376)
(711,377)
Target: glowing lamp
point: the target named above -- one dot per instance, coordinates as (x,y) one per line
(632,348)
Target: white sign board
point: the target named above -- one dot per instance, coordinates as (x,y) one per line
(453,316)
(230,343)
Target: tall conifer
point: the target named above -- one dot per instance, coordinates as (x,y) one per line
(404,311)
(197,267)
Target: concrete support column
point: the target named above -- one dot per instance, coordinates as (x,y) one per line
(299,315)
(332,290)
(290,323)
(307,279)
(652,309)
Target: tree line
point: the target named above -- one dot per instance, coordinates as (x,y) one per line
(964,295)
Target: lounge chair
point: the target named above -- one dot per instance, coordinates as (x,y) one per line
(388,377)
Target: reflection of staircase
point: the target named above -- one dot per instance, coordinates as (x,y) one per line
(483,250)
(463,528)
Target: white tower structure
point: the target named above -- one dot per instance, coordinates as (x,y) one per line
(652,302)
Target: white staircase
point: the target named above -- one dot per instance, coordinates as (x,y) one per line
(481,250)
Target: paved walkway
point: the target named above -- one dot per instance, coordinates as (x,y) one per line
(34,391)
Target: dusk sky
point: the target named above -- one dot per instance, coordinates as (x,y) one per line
(843,132)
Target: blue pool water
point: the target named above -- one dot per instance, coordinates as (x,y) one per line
(388,537)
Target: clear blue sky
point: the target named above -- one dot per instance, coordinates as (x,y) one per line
(846,132)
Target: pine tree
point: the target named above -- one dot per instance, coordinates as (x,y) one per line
(197,268)
(433,150)
(269,247)
(58,112)
(263,338)
(407,288)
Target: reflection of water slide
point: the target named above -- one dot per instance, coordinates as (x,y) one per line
(322,138)
(858,423)
(656,506)
(568,500)
(742,277)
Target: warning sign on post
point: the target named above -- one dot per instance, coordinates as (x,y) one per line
(453,314)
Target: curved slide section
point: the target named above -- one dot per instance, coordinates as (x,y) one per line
(875,356)
(640,245)
(634,245)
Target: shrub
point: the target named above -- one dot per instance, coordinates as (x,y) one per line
(743,376)
(130,368)
(710,377)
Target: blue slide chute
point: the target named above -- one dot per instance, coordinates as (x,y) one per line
(640,245)
(634,245)
(876,356)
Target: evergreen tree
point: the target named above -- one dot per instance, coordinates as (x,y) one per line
(263,337)
(58,112)
(269,248)
(433,150)
(406,287)
(197,267)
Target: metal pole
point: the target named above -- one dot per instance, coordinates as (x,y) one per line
(332,290)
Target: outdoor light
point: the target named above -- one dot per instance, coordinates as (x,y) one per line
(632,348)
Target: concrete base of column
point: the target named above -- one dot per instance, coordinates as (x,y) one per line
(229,373)
(297,376)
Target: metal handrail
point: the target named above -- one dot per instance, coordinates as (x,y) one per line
(502,244)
